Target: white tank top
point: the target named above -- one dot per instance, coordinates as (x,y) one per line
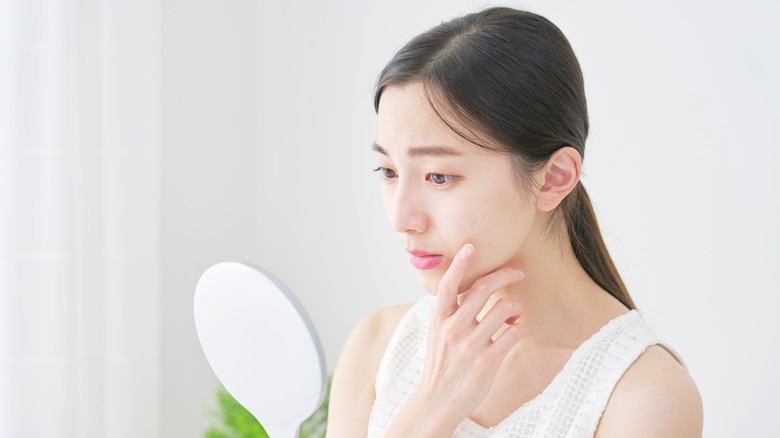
(570,406)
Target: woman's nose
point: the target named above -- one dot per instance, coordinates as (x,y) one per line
(407,207)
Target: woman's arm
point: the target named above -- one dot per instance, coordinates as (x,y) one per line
(656,397)
(352,391)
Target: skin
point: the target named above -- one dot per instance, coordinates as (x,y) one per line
(512,301)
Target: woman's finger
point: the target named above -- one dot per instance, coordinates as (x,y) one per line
(505,341)
(475,299)
(447,294)
(504,311)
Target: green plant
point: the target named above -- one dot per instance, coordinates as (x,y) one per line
(236,422)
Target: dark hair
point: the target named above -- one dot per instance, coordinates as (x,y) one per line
(512,82)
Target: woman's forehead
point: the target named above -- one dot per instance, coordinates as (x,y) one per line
(407,123)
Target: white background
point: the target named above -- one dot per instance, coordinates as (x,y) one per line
(268,120)
(266,126)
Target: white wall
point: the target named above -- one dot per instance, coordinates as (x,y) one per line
(268,121)
(207,194)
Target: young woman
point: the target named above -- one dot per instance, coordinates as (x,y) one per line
(528,329)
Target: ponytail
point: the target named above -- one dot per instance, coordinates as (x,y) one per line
(589,246)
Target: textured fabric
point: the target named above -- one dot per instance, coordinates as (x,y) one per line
(570,406)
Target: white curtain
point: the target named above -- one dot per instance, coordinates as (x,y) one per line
(79,139)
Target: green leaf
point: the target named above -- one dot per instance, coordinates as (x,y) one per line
(234,421)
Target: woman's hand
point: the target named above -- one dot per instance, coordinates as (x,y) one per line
(463,354)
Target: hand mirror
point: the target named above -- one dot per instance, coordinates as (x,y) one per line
(261,345)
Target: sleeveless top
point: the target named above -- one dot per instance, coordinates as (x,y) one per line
(570,406)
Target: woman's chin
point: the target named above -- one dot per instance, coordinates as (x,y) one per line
(430,283)
(430,280)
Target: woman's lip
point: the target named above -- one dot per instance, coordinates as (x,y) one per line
(418,253)
(424,260)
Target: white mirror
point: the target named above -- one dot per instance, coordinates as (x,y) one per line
(261,344)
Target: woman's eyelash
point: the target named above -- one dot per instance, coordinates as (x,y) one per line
(385,172)
(439,179)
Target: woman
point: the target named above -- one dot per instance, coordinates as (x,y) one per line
(528,329)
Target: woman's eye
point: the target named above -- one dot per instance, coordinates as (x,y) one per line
(385,172)
(439,178)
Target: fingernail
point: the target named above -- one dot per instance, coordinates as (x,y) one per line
(466,251)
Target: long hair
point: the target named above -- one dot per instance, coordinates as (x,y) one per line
(512,82)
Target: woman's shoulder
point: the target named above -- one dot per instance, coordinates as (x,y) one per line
(373,331)
(368,340)
(655,397)
(352,392)
(371,335)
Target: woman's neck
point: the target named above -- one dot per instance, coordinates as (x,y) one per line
(561,303)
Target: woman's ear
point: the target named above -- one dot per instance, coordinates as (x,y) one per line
(559,177)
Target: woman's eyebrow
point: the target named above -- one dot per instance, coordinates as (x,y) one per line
(379,149)
(436,151)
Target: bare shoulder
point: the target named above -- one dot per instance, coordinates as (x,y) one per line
(352,390)
(373,332)
(656,397)
(369,339)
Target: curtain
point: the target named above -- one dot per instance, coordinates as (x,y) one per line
(79,153)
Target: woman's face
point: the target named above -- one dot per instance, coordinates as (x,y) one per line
(441,192)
